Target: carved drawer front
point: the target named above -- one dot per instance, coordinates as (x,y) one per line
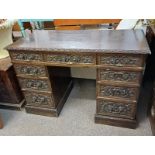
(118,92)
(110,108)
(122,76)
(67,59)
(30,70)
(26,56)
(40,100)
(41,85)
(120,60)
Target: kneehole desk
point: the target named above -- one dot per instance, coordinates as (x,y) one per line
(42,62)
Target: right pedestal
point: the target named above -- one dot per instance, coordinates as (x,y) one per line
(118,85)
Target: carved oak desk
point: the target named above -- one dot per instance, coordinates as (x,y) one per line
(118,56)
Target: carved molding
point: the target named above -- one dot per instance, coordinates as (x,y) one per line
(31,70)
(120,60)
(37,99)
(114,108)
(70,59)
(27,56)
(118,51)
(117,91)
(34,84)
(119,76)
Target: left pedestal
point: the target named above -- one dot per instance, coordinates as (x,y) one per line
(11,96)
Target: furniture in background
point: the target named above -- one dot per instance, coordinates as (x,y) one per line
(1,123)
(10,93)
(5,37)
(150,71)
(34,23)
(61,24)
(43,70)
(77,24)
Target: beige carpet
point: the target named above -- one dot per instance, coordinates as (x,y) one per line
(76,118)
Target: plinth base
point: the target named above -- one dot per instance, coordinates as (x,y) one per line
(120,122)
(13,106)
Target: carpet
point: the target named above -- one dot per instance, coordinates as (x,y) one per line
(76,117)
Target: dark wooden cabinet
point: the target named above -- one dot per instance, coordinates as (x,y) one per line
(42,62)
(10,93)
(150,72)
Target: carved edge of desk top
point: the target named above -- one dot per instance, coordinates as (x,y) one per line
(99,51)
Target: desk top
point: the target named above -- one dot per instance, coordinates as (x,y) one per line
(96,41)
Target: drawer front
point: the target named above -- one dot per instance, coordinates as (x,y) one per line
(40,100)
(41,85)
(26,56)
(113,75)
(118,92)
(121,60)
(30,70)
(71,59)
(110,108)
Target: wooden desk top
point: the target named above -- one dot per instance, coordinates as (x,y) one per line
(96,41)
